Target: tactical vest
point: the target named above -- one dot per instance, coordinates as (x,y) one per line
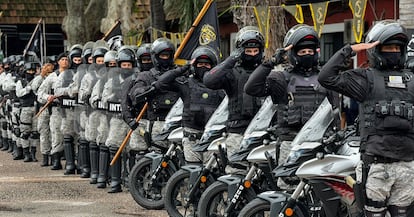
(161,104)
(114,104)
(28,99)
(389,106)
(203,102)
(242,107)
(305,94)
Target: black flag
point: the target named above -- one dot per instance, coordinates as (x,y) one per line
(35,43)
(203,32)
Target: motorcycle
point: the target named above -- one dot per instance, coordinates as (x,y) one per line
(324,186)
(185,187)
(148,178)
(228,195)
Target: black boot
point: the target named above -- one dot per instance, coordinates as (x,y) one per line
(45,161)
(85,159)
(56,164)
(103,166)
(94,159)
(11,145)
(116,180)
(5,144)
(18,154)
(69,154)
(33,153)
(1,142)
(27,155)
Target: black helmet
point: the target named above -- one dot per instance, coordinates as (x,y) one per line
(116,42)
(87,51)
(159,46)
(144,49)
(99,52)
(75,51)
(31,66)
(386,32)
(301,36)
(203,53)
(110,56)
(125,55)
(250,36)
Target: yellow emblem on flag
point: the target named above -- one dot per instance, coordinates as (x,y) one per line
(207,35)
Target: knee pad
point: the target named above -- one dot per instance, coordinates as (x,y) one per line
(398,211)
(35,135)
(16,131)
(25,135)
(4,125)
(67,138)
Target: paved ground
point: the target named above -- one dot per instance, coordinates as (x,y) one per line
(28,190)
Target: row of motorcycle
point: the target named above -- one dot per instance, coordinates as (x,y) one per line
(313,175)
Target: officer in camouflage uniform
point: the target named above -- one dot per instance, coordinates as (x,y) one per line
(29,136)
(103,122)
(43,119)
(3,107)
(385,93)
(47,93)
(111,96)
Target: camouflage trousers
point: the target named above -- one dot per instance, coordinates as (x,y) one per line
(91,128)
(118,129)
(43,128)
(233,142)
(188,143)
(15,119)
(103,128)
(55,130)
(391,182)
(137,142)
(28,127)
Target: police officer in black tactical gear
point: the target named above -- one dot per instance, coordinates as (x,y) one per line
(231,75)
(199,101)
(162,55)
(385,92)
(295,89)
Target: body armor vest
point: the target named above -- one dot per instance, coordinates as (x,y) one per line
(305,94)
(243,106)
(66,101)
(114,104)
(28,99)
(203,102)
(389,106)
(162,102)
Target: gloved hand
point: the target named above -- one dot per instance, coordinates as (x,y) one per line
(279,56)
(133,124)
(236,53)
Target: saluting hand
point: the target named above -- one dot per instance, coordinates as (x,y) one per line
(364,46)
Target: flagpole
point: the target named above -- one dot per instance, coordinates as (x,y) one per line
(191,30)
(44,42)
(31,38)
(112,28)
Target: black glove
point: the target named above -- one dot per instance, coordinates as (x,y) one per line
(133,124)
(236,53)
(278,57)
(143,97)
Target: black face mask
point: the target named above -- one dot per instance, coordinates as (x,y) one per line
(99,66)
(251,61)
(146,66)
(392,59)
(125,73)
(199,72)
(164,65)
(28,76)
(306,61)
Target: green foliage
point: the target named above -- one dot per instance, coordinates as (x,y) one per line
(185,10)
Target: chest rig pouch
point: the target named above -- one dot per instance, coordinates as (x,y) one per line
(304,96)
(389,108)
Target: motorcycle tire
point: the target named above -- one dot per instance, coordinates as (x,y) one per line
(149,197)
(214,201)
(256,208)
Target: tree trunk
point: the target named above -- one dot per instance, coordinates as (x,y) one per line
(407,13)
(120,9)
(244,16)
(157,15)
(80,24)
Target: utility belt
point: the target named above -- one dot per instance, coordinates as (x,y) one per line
(370,159)
(114,107)
(67,102)
(404,110)
(192,136)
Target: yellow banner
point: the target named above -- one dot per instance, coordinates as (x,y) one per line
(358,10)
(262,16)
(318,11)
(296,11)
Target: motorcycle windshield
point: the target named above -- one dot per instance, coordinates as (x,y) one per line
(263,117)
(315,127)
(220,115)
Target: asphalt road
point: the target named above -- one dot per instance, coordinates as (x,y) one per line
(28,190)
